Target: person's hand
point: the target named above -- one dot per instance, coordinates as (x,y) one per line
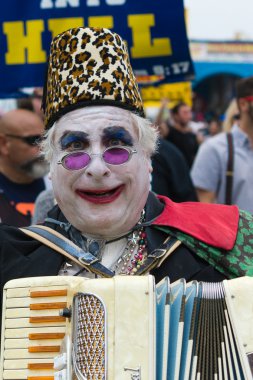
(164,102)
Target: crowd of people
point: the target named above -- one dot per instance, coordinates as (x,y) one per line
(218,155)
(118,181)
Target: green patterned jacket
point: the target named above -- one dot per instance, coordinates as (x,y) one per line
(232,263)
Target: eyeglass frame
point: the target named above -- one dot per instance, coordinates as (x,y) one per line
(25,139)
(130,150)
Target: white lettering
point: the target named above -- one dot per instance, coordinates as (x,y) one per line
(65,3)
(46,4)
(96,3)
(115,2)
(141,72)
(158,70)
(180,67)
(93,3)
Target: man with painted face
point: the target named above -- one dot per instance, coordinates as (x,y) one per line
(99,146)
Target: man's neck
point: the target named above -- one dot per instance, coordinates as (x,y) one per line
(182,127)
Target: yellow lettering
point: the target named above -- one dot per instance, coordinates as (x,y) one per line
(143,45)
(101,22)
(175,92)
(20,43)
(59,25)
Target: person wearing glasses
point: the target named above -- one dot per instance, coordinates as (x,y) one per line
(107,221)
(22,168)
(222,171)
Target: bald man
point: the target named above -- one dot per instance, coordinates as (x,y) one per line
(22,168)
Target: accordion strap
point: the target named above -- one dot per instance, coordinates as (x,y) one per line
(66,247)
(159,255)
(230,170)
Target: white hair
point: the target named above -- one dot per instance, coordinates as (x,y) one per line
(148,137)
(47,146)
(148,134)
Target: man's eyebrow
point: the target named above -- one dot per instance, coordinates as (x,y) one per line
(70,136)
(117,133)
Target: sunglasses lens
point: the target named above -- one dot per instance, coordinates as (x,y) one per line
(116,156)
(32,140)
(76,161)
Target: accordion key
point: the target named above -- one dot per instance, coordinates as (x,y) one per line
(68,328)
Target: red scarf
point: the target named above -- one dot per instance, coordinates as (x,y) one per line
(213,224)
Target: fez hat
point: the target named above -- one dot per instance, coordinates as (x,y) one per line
(87,67)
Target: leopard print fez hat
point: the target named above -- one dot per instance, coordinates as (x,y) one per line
(89,66)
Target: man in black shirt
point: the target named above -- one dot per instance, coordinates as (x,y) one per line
(180,133)
(21,166)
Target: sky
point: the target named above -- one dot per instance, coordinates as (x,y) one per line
(220,19)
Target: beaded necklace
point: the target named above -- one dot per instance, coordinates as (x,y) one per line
(134,254)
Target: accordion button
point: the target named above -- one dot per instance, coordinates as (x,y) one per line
(65,313)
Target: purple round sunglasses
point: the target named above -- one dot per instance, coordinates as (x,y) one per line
(115,155)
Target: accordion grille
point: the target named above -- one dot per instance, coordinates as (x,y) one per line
(89,337)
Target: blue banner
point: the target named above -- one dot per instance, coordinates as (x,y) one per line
(154,30)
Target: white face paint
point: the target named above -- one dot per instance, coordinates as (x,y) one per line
(100,199)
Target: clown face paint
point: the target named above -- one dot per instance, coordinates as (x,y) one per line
(101,199)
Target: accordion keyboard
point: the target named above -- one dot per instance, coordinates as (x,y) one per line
(33,332)
(69,328)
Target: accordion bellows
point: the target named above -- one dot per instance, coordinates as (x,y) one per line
(87,67)
(126,328)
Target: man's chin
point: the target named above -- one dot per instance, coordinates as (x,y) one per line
(104,225)
(36,170)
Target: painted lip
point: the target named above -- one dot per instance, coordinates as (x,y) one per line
(100,196)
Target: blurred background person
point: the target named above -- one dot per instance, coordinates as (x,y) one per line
(171,174)
(22,168)
(32,102)
(179,131)
(213,127)
(222,171)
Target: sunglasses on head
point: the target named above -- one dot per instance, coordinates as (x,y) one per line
(30,140)
(116,155)
(248,98)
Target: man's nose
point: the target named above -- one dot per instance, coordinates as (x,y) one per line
(97,167)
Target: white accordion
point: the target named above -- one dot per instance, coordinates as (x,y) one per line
(126,328)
